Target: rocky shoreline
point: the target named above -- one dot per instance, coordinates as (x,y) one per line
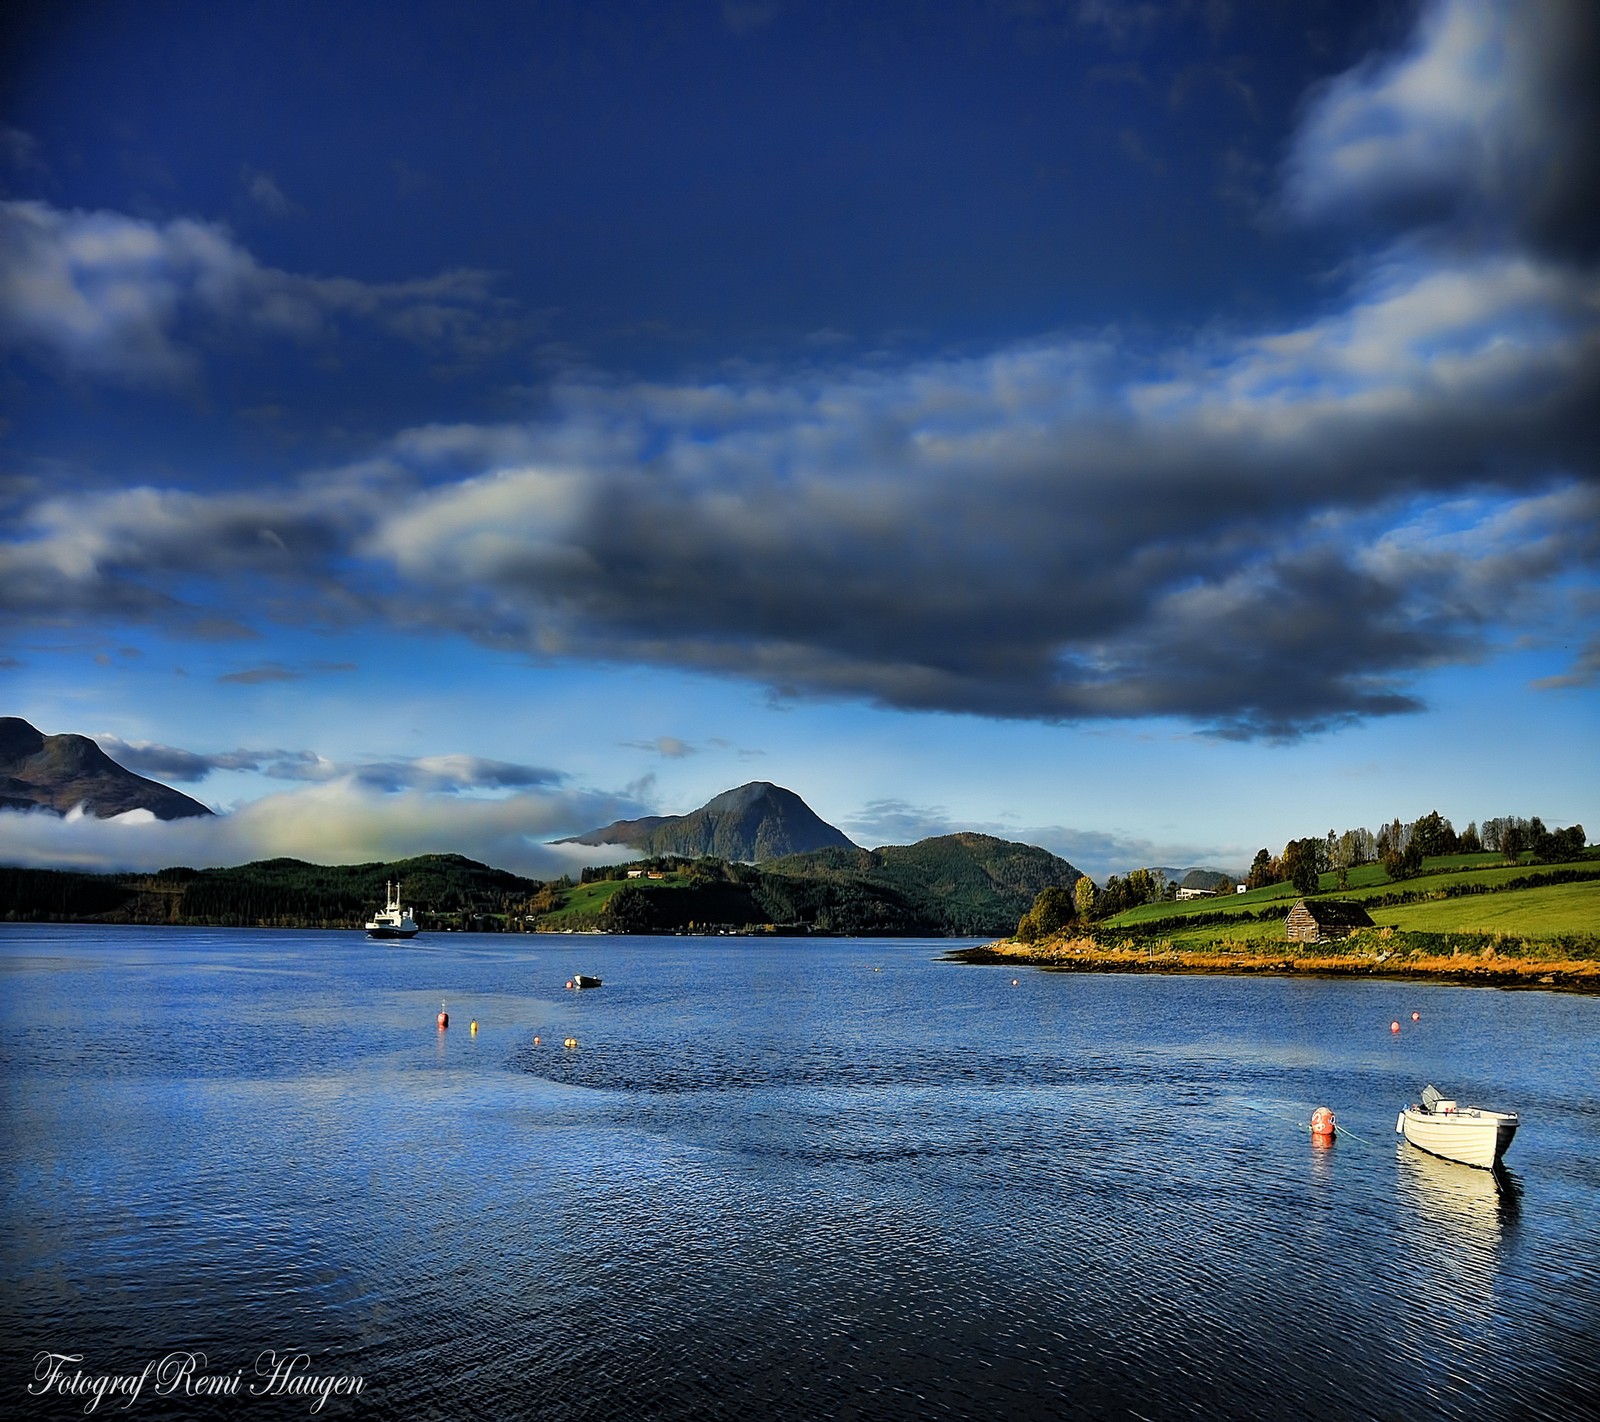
(1084,956)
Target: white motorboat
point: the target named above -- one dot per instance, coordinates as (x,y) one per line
(392,921)
(1469,1134)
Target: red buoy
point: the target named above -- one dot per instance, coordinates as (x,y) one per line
(1394,1026)
(1322,1122)
(444,1019)
(1416,1017)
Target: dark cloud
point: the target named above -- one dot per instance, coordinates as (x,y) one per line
(448,774)
(164,763)
(442,774)
(1264,533)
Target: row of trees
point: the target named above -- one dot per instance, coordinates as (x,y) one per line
(1056,908)
(1399,847)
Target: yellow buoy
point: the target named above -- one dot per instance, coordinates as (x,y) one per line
(474,1028)
(571,1042)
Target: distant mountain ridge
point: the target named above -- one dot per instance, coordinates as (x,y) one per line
(964,883)
(750,825)
(967,885)
(61,773)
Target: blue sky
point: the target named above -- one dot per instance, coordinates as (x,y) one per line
(1149,431)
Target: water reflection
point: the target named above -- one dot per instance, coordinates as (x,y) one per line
(773,1182)
(1465,1217)
(1460,1201)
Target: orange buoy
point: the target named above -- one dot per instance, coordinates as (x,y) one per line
(536,1041)
(569,982)
(444,1020)
(1416,1017)
(1394,1026)
(1322,1122)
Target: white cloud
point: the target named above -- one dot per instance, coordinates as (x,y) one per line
(1486,117)
(113,297)
(264,193)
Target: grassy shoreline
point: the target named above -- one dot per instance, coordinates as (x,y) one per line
(1486,967)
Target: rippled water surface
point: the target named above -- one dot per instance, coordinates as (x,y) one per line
(780,1180)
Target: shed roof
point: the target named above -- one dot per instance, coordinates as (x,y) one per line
(1336,913)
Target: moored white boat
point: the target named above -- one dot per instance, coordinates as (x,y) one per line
(1472,1135)
(392,921)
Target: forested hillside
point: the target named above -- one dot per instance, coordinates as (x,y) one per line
(955,885)
(449,891)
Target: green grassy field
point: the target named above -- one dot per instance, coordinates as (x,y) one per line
(1559,909)
(1463,893)
(581,906)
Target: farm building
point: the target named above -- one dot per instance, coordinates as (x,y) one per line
(1320,920)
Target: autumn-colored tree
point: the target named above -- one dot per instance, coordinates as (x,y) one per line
(1083,897)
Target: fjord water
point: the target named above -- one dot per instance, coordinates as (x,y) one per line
(781,1179)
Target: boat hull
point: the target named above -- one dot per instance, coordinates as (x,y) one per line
(392,932)
(1472,1136)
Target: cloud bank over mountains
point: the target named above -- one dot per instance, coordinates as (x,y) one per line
(342,821)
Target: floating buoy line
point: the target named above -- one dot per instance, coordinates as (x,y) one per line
(1323,1125)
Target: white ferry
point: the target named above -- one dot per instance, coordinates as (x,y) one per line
(392,921)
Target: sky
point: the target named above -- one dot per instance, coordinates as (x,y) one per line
(1153,432)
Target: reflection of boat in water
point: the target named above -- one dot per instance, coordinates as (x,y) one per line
(392,921)
(1470,1134)
(1458,1203)
(1466,1221)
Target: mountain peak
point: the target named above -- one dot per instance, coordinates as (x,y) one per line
(62,772)
(749,824)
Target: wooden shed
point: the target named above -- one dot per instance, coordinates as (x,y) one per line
(1321,920)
